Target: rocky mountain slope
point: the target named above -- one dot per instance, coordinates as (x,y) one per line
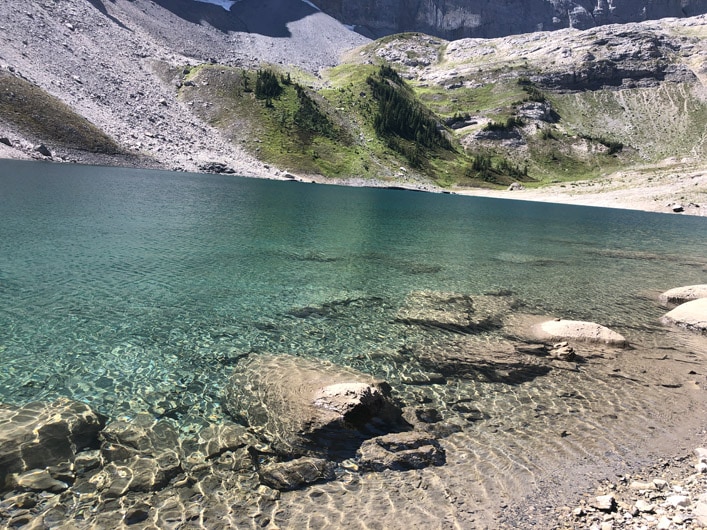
(176,85)
(455,19)
(106,60)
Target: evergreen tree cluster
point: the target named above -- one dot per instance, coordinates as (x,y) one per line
(267,86)
(400,115)
(509,124)
(482,167)
(534,94)
(613,146)
(309,116)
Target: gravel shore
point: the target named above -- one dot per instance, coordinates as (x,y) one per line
(673,187)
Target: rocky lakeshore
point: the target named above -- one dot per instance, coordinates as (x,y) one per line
(307,441)
(672,188)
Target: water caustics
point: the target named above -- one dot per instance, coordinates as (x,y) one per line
(139,291)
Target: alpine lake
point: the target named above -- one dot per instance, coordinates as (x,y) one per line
(140,293)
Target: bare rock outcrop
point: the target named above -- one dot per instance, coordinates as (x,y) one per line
(306,407)
(454,19)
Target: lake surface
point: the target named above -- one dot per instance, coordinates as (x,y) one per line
(138,291)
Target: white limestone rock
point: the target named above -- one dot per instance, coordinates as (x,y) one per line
(576,330)
(680,295)
(690,315)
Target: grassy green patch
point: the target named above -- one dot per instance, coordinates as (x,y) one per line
(495,99)
(656,122)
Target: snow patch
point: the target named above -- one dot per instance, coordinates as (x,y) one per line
(226,4)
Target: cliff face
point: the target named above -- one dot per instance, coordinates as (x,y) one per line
(455,19)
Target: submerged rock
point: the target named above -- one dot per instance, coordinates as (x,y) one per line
(40,480)
(141,455)
(459,313)
(401,451)
(470,356)
(296,473)
(684,294)
(562,351)
(562,330)
(143,436)
(138,473)
(690,315)
(307,407)
(39,435)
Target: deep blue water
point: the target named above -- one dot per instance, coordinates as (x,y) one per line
(139,290)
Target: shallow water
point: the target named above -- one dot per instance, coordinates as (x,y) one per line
(138,291)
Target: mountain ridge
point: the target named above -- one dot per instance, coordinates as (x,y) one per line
(455,19)
(167,88)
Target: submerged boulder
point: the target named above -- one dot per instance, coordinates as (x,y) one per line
(690,315)
(687,293)
(576,330)
(294,474)
(459,313)
(304,407)
(401,451)
(143,436)
(39,435)
(140,455)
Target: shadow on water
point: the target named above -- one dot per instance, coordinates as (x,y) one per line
(268,18)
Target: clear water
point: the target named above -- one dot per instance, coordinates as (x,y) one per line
(138,290)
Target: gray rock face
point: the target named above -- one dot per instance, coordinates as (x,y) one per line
(454,19)
(306,407)
(38,435)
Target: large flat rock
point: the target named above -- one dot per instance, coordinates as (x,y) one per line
(690,315)
(577,330)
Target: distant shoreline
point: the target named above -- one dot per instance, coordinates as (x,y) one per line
(673,189)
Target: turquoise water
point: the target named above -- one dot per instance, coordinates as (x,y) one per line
(138,290)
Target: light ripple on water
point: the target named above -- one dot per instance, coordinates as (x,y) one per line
(137,309)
